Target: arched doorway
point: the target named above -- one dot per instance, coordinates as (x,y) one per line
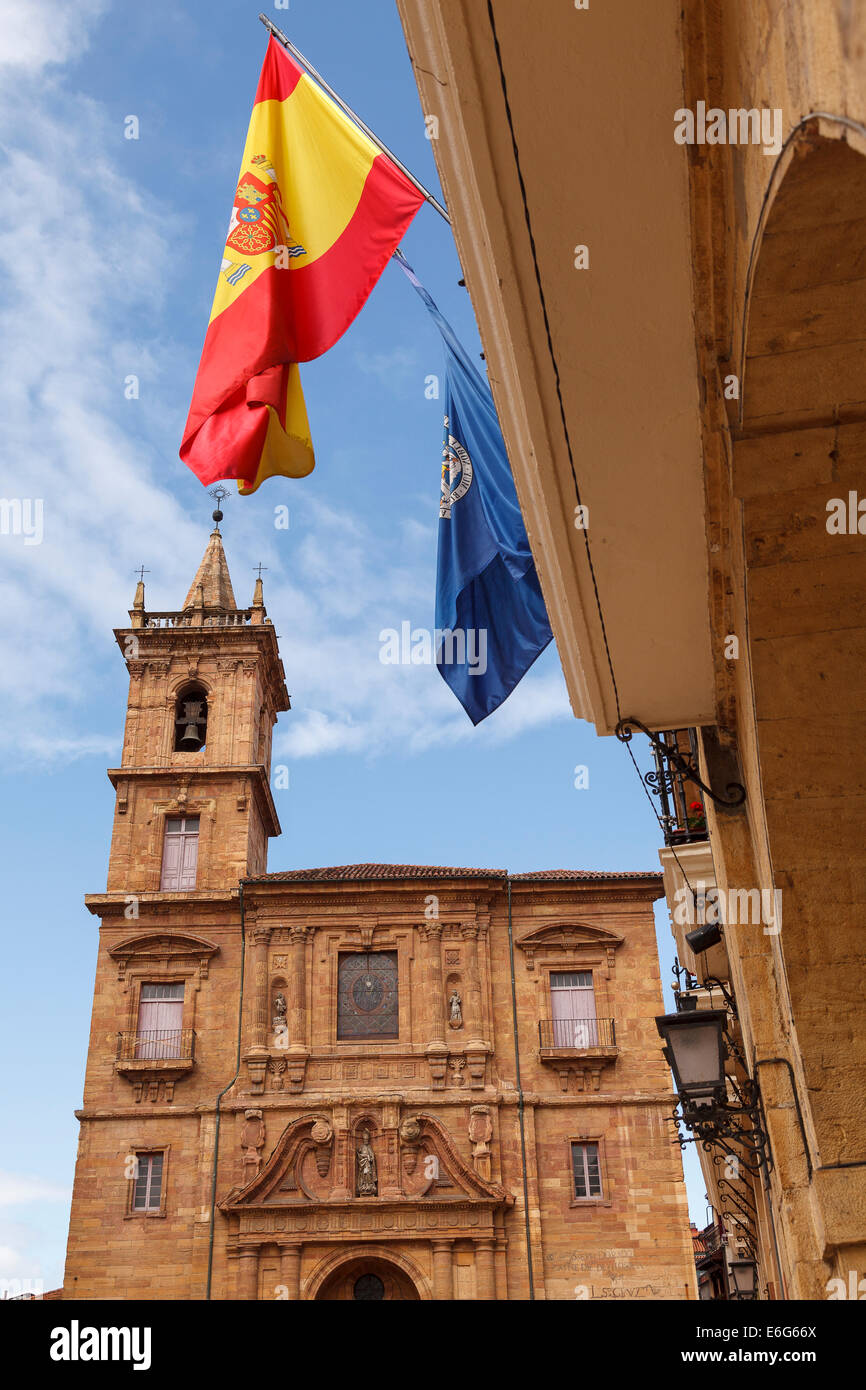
(365,1279)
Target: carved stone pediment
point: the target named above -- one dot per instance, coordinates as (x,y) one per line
(565,940)
(312,1167)
(163,949)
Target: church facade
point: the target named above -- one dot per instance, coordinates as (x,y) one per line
(367,1082)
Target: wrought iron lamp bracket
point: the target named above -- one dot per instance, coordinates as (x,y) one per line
(735,791)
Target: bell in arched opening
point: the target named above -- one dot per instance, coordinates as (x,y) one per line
(190,721)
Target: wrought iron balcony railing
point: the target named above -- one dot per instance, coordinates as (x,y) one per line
(157,1045)
(682,805)
(707,1242)
(576,1034)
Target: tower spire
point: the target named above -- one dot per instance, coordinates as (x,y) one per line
(212,586)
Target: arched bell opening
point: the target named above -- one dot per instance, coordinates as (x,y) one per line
(190,720)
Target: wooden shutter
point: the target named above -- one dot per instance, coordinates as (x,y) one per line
(188,861)
(170,881)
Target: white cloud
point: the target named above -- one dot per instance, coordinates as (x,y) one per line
(102,270)
(17,1187)
(393,369)
(39,33)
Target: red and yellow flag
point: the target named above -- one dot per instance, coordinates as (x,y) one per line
(318,212)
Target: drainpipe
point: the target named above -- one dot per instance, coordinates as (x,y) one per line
(216,1137)
(520,1106)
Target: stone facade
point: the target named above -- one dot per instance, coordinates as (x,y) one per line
(378,1139)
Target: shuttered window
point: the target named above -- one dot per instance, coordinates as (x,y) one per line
(147,1193)
(180,854)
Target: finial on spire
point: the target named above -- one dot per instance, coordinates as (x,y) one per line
(258,596)
(138,601)
(218,493)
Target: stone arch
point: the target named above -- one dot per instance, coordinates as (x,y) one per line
(802,443)
(191,710)
(329,1269)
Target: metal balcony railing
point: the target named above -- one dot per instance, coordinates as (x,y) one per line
(576,1034)
(707,1242)
(682,805)
(157,1045)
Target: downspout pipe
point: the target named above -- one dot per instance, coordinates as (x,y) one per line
(216,1137)
(520,1104)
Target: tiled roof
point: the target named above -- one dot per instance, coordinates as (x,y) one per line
(340,872)
(343,871)
(587,873)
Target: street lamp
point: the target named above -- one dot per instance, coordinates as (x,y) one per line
(743,1275)
(695,1050)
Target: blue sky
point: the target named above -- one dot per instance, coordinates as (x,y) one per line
(110,248)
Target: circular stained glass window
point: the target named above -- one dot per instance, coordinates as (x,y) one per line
(367,993)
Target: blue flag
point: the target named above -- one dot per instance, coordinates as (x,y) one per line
(491,622)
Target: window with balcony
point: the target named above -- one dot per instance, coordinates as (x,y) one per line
(180,854)
(586,1171)
(572,1009)
(147,1183)
(160,1021)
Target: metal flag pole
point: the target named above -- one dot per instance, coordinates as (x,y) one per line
(308,67)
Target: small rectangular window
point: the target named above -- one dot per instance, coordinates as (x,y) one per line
(147,1192)
(587,1170)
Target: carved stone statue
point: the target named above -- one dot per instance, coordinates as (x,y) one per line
(280,1011)
(455,1010)
(367,1183)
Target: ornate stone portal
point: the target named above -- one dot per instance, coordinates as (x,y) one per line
(427,1196)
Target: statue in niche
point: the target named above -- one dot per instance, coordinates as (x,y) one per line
(367,1184)
(280,1011)
(455,1010)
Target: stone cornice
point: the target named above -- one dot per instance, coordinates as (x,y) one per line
(168,772)
(176,905)
(166,642)
(326,1100)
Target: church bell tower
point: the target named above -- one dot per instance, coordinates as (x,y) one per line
(194,806)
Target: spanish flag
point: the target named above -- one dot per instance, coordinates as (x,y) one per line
(318,212)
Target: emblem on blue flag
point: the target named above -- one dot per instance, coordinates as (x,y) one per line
(488,598)
(456,473)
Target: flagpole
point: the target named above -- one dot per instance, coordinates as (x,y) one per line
(308,67)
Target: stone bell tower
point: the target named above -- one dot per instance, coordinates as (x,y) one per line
(194,806)
(193,815)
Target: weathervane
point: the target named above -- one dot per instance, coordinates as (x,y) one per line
(218,493)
